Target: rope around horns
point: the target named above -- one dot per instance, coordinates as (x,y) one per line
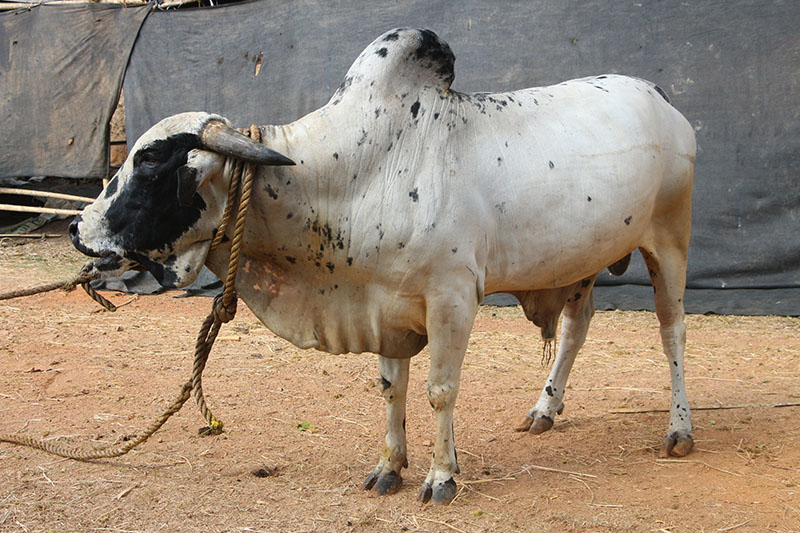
(223,310)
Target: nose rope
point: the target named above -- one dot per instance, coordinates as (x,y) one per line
(223,310)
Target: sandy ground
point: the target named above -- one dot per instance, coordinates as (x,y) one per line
(74,374)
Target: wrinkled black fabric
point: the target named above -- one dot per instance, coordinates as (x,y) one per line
(61,70)
(730,67)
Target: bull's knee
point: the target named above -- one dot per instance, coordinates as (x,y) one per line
(441,396)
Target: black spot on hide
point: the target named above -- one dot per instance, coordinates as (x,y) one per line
(577,296)
(552,165)
(435,116)
(146,214)
(330,266)
(291,259)
(385,383)
(381,52)
(549,390)
(660,91)
(414,195)
(346,82)
(391,37)
(336,156)
(349,261)
(415,109)
(111,188)
(628,221)
(164,273)
(271,192)
(438,52)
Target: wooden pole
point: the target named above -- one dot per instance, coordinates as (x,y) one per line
(31,209)
(45,194)
(29,235)
(27,5)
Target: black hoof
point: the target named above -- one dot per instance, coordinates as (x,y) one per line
(370,481)
(444,493)
(388,484)
(541,424)
(525,425)
(381,485)
(676,445)
(425,493)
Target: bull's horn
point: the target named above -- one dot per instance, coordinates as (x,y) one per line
(220,137)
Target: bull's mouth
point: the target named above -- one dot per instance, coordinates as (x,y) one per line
(85,250)
(108,265)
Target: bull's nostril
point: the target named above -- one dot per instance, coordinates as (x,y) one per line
(73,228)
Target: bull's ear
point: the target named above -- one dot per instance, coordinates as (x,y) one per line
(187,185)
(221,138)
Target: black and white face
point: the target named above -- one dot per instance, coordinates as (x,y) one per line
(161,210)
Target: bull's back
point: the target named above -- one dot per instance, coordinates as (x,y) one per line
(579,174)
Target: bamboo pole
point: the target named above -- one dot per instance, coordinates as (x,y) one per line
(126,3)
(31,209)
(29,235)
(45,194)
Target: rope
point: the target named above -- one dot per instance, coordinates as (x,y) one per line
(84,455)
(83,278)
(223,310)
(224,306)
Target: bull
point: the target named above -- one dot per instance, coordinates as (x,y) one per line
(404,204)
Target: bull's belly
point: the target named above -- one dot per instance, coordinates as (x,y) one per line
(563,250)
(332,315)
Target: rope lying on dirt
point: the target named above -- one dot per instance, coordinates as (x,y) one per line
(223,310)
(83,278)
(84,455)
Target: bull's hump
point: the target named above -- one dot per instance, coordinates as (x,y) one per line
(399,60)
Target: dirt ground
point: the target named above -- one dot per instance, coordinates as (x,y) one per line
(82,376)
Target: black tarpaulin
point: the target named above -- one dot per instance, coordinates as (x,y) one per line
(732,68)
(61,70)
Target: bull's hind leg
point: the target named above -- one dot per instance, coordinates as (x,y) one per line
(666,261)
(577,314)
(386,479)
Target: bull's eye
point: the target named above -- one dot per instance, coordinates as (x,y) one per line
(148,163)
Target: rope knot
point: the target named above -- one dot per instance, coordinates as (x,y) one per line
(222,312)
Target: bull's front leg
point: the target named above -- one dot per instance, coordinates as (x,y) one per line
(448,335)
(386,479)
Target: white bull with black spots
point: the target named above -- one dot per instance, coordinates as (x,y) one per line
(406,204)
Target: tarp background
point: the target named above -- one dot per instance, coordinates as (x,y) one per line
(732,67)
(61,71)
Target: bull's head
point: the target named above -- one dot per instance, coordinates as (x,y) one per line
(161,210)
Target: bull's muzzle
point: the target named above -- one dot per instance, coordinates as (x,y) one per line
(76,239)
